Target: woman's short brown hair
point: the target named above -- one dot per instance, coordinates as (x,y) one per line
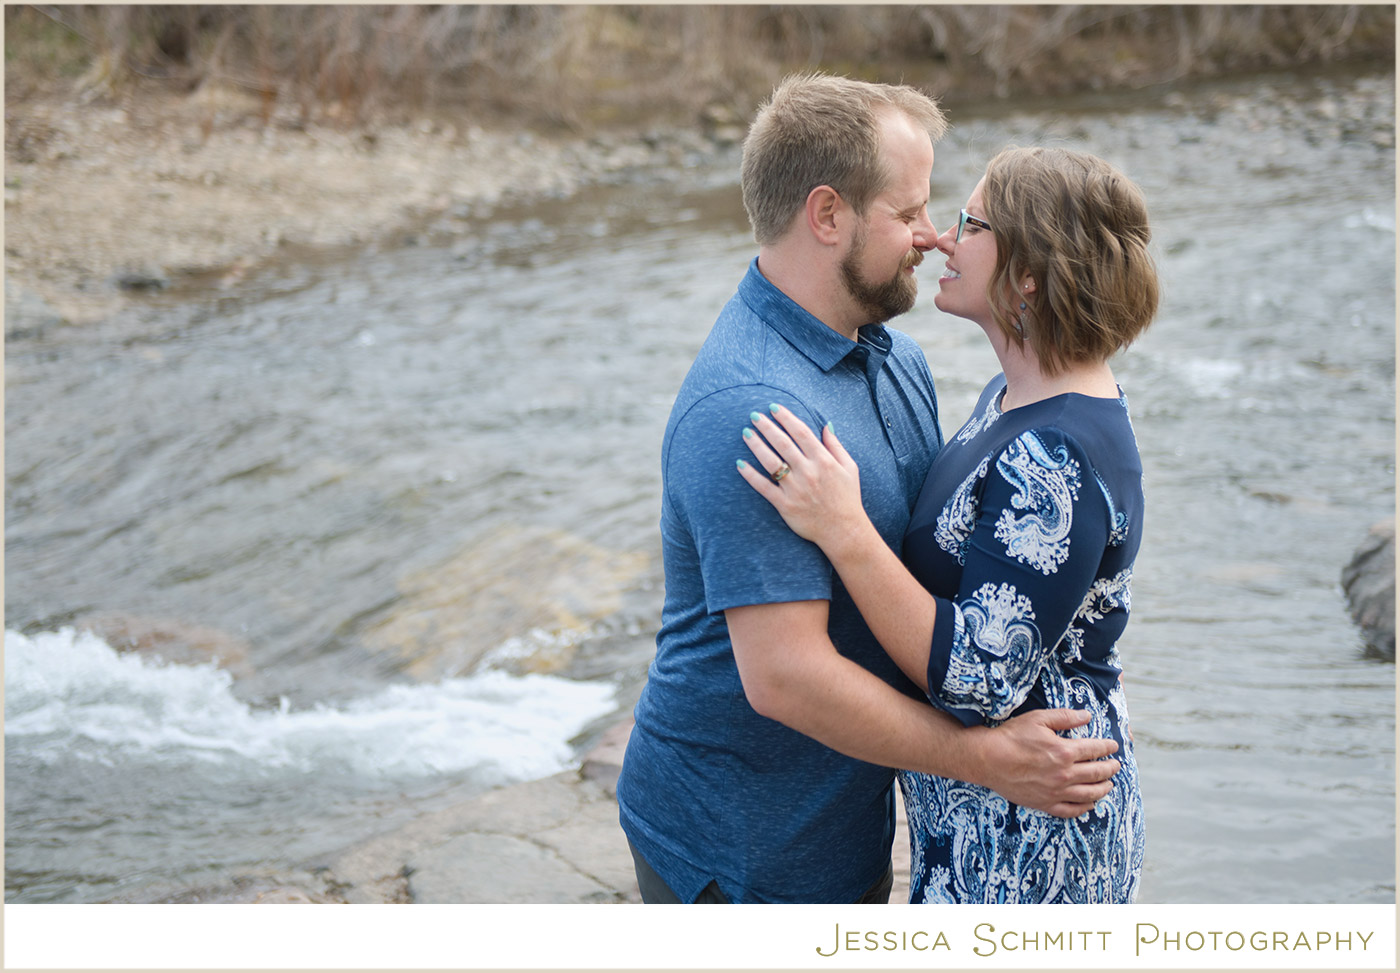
(1079,228)
(822,130)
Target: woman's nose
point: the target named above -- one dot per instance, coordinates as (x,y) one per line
(947,240)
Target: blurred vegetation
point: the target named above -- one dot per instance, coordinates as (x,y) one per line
(583,67)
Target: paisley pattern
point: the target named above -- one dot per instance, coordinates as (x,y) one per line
(969,844)
(979,421)
(1103,596)
(1117,518)
(997,631)
(1047,484)
(1028,542)
(959,514)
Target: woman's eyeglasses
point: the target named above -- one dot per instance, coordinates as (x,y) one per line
(964,218)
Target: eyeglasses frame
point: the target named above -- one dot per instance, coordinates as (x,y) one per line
(964,218)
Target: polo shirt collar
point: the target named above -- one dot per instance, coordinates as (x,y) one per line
(804,331)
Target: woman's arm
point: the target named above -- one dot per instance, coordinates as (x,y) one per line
(821,502)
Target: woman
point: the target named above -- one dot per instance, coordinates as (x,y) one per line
(1020,549)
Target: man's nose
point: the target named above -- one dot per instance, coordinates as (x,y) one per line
(925,234)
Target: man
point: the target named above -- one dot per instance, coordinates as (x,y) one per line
(758,769)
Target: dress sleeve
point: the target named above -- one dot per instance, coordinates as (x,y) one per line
(1037,538)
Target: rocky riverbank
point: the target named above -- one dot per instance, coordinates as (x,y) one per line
(555,840)
(105,203)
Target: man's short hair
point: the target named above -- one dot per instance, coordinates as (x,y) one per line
(1078,226)
(822,130)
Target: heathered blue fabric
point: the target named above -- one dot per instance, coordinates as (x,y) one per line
(710,790)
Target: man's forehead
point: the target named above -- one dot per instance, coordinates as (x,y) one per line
(907,190)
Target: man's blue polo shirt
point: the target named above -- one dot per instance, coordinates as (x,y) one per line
(710,790)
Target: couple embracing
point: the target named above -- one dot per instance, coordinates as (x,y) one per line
(859,602)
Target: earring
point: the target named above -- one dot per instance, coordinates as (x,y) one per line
(1021,323)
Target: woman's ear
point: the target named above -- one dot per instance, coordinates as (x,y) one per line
(1027,287)
(823,210)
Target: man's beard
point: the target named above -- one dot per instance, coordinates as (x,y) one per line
(885,300)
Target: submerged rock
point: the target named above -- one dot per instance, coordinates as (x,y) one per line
(525,594)
(1369,583)
(170,640)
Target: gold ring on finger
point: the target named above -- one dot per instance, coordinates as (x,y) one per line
(780,472)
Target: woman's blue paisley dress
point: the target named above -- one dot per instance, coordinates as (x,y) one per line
(1026,532)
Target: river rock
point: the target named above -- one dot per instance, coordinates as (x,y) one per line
(140,280)
(255,890)
(1369,583)
(555,840)
(603,764)
(170,640)
(521,593)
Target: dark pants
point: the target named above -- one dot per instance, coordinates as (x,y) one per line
(655,891)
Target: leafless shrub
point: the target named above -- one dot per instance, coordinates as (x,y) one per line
(583,66)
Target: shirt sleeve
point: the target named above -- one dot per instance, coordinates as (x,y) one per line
(747,554)
(1033,553)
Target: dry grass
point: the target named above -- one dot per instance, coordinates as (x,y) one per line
(582,67)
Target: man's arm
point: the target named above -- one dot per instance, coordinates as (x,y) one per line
(792,673)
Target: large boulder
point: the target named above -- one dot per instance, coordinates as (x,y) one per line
(1369,583)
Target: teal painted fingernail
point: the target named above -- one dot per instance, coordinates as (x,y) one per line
(754,416)
(748,434)
(742,465)
(773,408)
(830,428)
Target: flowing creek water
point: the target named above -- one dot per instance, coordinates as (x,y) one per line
(412,496)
